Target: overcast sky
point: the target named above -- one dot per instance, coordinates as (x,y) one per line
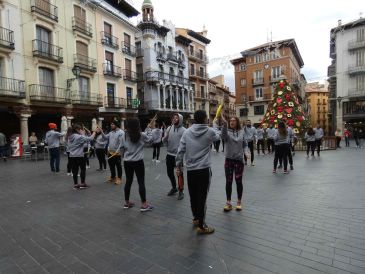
(236,25)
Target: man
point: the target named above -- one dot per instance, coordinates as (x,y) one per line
(114,155)
(195,145)
(270,139)
(3,146)
(53,142)
(250,136)
(260,140)
(172,139)
(318,133)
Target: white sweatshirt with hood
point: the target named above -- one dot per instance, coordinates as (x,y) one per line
(173,136)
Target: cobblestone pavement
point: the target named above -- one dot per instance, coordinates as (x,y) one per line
(310,221)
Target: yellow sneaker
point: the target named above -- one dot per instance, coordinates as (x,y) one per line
(239,207)
(205,230)
(227,207)
(110,180)
(118,181)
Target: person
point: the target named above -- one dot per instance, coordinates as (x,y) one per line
(3,146)
(217,145)
(69,132)
(157,139)
(250,136)
(233,136)
(114,138)
(310,138)
(100,143)
(75,144)
(338,138)
(172,139)
(347,137)
(132,146)
(270,139)
(281,146)
(86,150)
(291,140)
(318,132)
(53,142)
(260,140)
(356,137)
(33,140)
(195,145)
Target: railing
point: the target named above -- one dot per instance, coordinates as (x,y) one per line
(274,79)
(46,50)
(116,102)
(198,55)
(199,74)
(85,98)
(172,56)
(12,88)
(49,94)
(45,8)
(139,52)
(254,98)
(354,69)
(355,44)
(155,76)
(127,48)
(130,75)
(81,26)
(357,92)
(331,71)
(109,40)
(84,62)
(7,38)
(160,56)
(257,81)
(112,70)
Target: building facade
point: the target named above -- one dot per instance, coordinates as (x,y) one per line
(317,99)
(347,75)
(257,72)
(163,62)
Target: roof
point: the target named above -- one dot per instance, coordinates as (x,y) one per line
(198,36)
(352,24)
(287,42)
(124,6)
(182,40)
(237,60)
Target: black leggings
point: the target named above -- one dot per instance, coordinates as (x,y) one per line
(216,145)
(233,167)
(156,150)
(138,167)
(262,144)
(281,151)
(76,163)
(100,153)
(250,145)
(86,155)
(198,183)
(270,145)
(69,167)
(311,146)
(115,161)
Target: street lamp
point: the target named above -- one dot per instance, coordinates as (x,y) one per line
(76,71)
(339,99)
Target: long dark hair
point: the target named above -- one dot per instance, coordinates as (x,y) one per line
(310,131)
(76,128)
(238,125)
(282,129)
(69,133)
(133,129)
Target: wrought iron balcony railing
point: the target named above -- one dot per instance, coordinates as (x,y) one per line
(49,94)
(12,88)
(45,8)
(48,51)
(7,38)
(86,98)
(109,40)
(258,81)
(84,62)
(155,76)
(116,102)
(127,48)
(112,70)
(197,55)
(130,75)
(82,26)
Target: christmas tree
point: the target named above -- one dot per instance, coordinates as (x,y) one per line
(285,107)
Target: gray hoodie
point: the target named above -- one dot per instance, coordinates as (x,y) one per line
(270,133)
(100,141)
(310,138)
(318,133)
(53,138)
(115,138)
(280,139)
(75,144)
(195,144)
(134,151)
(250,133)
(260,133)
(173,136)
(235,143)
(157,135)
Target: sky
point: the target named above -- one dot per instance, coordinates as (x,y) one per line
(236,25)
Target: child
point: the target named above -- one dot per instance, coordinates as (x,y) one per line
(310,138)
(100,143)
(157,139)
(281,146)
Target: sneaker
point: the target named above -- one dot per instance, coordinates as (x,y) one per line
(87,167)
(205,230)
(84,186)
(227,207)
(99,169)
(146,208)
(118,181)
(69,173)
(110,180)
(286,172)
(291,167)
(196,222)
(274,171)
(252,163)
(76,187)
(173,191)
(153,160)
(181,195)
(128,205)
(280,167)
(239,207)
(158,161)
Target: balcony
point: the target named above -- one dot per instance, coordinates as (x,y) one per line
(274,79)
(109,40)
(12,88)
(161,57)
(116,102)
(49,94)
(257,81)
(200,74)
(157,76)
(130,75)
(356,44)
(111,70)
(86,99)
(139,52)
(331,71)
(128,49)
(47,51)
(356,69)
(85,63)
(81,26)
(7,38)
(257,99)
(172,57)
(44,8)
(357,92)
(198,56)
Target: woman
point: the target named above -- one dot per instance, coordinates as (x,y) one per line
(33,140)
(75,145)
(235,143)
(100,143)
(338,138)
(68,134)
(132,144)
(282,141)
(157,139)
(310,138)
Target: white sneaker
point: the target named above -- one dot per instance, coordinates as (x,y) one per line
(69,173)
(153,160)
(87,167)
(158,161)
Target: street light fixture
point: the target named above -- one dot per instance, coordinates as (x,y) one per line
(339,99)
(76,71)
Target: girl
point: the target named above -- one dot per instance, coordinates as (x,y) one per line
(100,143)
(68,134)
(132,145)
(157,139)
(235,143)
(281,146)
(75,146)
(310,138)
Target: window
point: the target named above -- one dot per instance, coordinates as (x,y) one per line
(257,75)
(242,67)
(201,70)
(201,54)
(129,92)
(193,86)
(319,101)
(324,101)
(360,35)
(243,112)
(127,41)
(243,82)
(259,110)
(243,98)
(360,58)
(107,33)
(109,61)
(276,72)
(46,77)
(192,69)
(2,72)
(258,93)
(80,17)
(44,38)
(257,58)
(202,91)
(191,50)
(82,52)
(83,84)
(110,90)
(360,82)
(128,68)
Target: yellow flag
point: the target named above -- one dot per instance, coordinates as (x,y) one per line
(219,111)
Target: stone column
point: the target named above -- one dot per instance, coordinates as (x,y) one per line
(69,121)
(164,95)
(183,98)
(100,122)
(122,123)
(177,98)
(192,101)
(159,95)
(24,132)
(170,89)
(188,97)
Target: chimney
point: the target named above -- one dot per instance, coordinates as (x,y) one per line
(339,22)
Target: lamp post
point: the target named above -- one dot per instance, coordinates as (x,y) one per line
(76,71)
(339,99)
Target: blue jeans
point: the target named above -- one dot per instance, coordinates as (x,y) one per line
(55,159)
(3,151)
